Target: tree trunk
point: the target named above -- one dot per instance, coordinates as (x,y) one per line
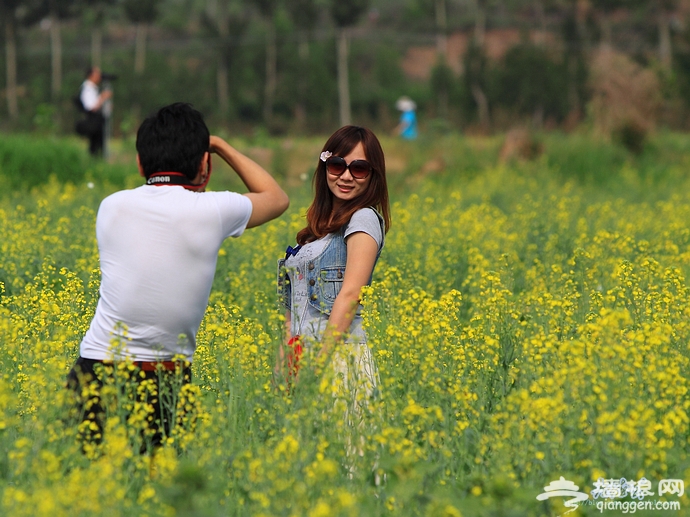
(581,11)
(664,40)
(479,24)
(219,14)
(343,78)
(96,46)
(140,49)
(442,101)
(56,56)
(271,73)
(441,38)
(222,86)
(442,53)
(541,17)
(11,65)
(303,48)
(300,105)
(538,117)
(573,95)
(477,92)
(606,31)
(482,106)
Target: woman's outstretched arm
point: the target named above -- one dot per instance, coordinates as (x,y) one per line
(361,258)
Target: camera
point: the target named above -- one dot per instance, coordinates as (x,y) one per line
(108,77)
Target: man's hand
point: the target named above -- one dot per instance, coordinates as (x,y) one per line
(214,143)
(102,97)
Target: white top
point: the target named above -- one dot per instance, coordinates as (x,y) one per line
(158,247)
(89,95)
(305,320)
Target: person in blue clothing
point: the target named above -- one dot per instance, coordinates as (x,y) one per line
(407,127)
(321,279)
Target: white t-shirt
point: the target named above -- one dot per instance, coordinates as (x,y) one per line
(158,247)
(89,95)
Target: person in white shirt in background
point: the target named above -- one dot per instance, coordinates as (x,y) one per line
(92,100)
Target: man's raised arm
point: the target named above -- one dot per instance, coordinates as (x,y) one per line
(268,199)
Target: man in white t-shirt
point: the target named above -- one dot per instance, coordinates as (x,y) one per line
(92,100)
(158,246)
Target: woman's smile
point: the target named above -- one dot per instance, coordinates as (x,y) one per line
(345,188)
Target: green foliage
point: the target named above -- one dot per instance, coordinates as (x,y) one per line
(190,37)
(476,78)
(631,136)
(347,14)
(163,82)
(584,159)
(27,161)
(530,79)
(44,120)
(681,60)
(377,82)
(419,14)
(141,11)
(304,13)
(266,7)
(442,79)
(476,65)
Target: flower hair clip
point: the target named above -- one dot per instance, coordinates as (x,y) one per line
(325,155)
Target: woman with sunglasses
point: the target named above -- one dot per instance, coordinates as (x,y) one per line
(321,279)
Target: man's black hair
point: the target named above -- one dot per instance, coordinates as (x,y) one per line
(174,139)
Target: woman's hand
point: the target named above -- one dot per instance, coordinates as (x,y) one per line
(288,357)
(278,373)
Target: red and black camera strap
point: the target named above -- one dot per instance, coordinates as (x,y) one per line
(162,179)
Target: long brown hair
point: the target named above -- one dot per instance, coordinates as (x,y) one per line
(319,220)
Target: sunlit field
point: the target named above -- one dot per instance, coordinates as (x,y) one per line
(529,320)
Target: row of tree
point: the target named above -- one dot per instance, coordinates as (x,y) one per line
(264,59)
(226,20)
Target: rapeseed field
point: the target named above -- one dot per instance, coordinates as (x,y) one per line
(525,327)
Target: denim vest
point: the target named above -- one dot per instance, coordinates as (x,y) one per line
(324,274)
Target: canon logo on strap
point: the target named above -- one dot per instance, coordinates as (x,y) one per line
(161,179)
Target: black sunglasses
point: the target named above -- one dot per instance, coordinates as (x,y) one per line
(359,169)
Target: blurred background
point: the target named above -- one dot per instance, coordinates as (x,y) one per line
(303,67)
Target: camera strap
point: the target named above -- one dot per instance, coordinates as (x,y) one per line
(162,179)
